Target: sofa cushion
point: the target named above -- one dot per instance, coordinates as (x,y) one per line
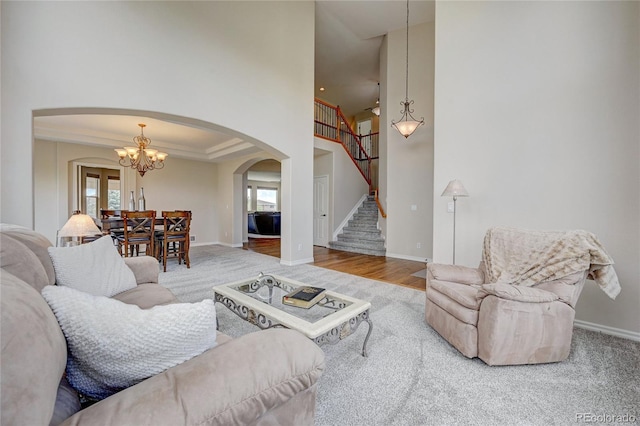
(147,296)
(95,268)
(18,260)
(33,356)
(517,292)
(37,244)
(113,345)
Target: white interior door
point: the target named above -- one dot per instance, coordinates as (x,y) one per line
(321,211)
(364,127)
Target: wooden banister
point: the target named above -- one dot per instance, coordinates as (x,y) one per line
(382,213)
(331,124)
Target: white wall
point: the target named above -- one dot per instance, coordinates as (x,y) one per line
(182,185)
(536,111)
(185,185)
(219,62)
(407,164)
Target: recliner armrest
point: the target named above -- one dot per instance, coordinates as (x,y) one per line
(567,288)
(455,273)
(145,268)
(517,293)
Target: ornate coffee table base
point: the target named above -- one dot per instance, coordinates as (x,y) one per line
(332,336)
(345,329)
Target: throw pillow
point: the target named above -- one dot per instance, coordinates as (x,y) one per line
(95,268)
(113,345)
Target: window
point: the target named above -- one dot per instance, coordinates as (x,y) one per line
(113,193)
(267,200)
(249,206)
(99,188)
(91,193)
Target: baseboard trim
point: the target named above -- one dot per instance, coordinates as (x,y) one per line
(220,243)
(618,332)
(297,262)
(193,244)
(405,257)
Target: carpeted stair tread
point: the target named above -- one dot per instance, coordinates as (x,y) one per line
(361,235)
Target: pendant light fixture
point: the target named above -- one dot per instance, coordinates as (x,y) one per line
(407,124)
(376,109)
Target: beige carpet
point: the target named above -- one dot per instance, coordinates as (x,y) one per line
(414,377)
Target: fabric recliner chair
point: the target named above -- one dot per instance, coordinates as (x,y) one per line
(518,306)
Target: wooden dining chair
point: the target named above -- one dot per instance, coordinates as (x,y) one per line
(108,226)
(138,230)
(175,236)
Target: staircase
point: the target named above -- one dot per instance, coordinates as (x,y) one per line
(332,125)
(361,235)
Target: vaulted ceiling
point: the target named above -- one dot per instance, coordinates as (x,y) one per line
(347,64)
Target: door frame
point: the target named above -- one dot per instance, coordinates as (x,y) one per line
(76,192)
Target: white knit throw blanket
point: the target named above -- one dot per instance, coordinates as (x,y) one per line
(524,257)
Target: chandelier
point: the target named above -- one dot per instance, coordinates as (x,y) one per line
(407,124)
(141,158)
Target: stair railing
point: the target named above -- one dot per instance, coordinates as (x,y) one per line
(332,125)
(370,143)
(380,209)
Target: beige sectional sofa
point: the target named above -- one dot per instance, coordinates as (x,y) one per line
(266,377)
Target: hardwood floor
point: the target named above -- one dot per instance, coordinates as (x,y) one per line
(387,269)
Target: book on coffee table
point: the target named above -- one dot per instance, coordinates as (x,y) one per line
(304,297)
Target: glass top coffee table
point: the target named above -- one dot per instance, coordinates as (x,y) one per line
(259,301)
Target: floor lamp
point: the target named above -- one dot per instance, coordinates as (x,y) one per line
(455,189)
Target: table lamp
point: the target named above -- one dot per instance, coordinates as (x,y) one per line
(78,225)
(455,189)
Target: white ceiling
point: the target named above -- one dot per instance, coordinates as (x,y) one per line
(348,39)
(116,131)
(347,60)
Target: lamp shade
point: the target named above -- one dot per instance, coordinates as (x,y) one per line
(79,225)
(407,127)
(455,189)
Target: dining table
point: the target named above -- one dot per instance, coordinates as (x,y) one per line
(113,225)
(116,223)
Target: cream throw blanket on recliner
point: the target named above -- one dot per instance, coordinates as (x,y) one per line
(524,257)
